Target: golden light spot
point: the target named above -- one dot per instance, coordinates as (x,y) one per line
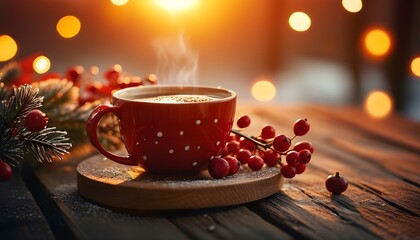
(415,66)
(8,48)
(68,26)
(378,104)
(299,21)
(263,91)
(352,6)
(119,2)
(377,42)
(41,64)
(176,5)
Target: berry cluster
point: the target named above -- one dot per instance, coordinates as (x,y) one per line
(268,148)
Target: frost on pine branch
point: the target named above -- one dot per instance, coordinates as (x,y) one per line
(16,142)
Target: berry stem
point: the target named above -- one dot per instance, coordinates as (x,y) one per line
(267,145)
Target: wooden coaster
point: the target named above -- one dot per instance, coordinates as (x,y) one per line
(106,182)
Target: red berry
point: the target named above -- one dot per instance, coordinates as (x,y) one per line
(300,168)
(304,156)
(255,163)
(288,171)
(303,145)
(292,158)
(112,75)
(270,158)
(281,143)
(301,127)
(247,144)
(268,132)
(218,168)
(5,171)
(336,183)
(74,73)
(233,165)
(233,146)
(35,121)
(243,156)
(243,121)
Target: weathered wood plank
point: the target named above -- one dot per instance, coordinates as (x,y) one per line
(226,223)
(71,216)
(20,217)
(74,216)
(339,146)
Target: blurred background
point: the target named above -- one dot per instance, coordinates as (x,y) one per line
(330,52)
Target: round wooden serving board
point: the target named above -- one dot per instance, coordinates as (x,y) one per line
(106,182)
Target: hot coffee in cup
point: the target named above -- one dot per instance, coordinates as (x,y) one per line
(169,129)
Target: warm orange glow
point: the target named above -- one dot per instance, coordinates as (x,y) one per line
(415,66)
(263,91)
(41,64)
(119,2)
(68,26)
(8,48)
(176,5)
(378,104)
(299,21)
(352,6)
(377,42)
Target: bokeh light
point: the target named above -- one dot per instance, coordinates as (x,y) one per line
(41,64)
(415,66)
(8,48)
(299,21)
(176,5)
(378,104)
(263,91)
(119,2)
(377,42)
(352,6)
(68,26)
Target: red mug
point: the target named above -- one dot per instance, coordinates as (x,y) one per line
(168,137)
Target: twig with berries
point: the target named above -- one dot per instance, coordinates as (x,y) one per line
(265,149)
(24,132)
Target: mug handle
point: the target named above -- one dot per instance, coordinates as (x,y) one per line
(91,126)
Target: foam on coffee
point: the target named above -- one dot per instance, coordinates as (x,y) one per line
(179,98)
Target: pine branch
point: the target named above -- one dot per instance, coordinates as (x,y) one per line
(57,92)
(46,144)
(14,109)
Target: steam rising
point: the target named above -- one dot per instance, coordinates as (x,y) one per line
(177,63)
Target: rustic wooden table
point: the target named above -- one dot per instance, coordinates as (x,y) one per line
(380,158)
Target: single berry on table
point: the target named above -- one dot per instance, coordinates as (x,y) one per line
(218,168)
(243,156)
(270,158)
(336,184)
(5,171)
(304,156)
(288,171)
(255,163)
(292,158)
(233,165)
(244,121)
(301,127)
(35,120)
(281,143)
(303,145)
(300,168)
(268,132)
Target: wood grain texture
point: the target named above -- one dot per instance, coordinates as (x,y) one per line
(380,158)
(20,216)
(106,182)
